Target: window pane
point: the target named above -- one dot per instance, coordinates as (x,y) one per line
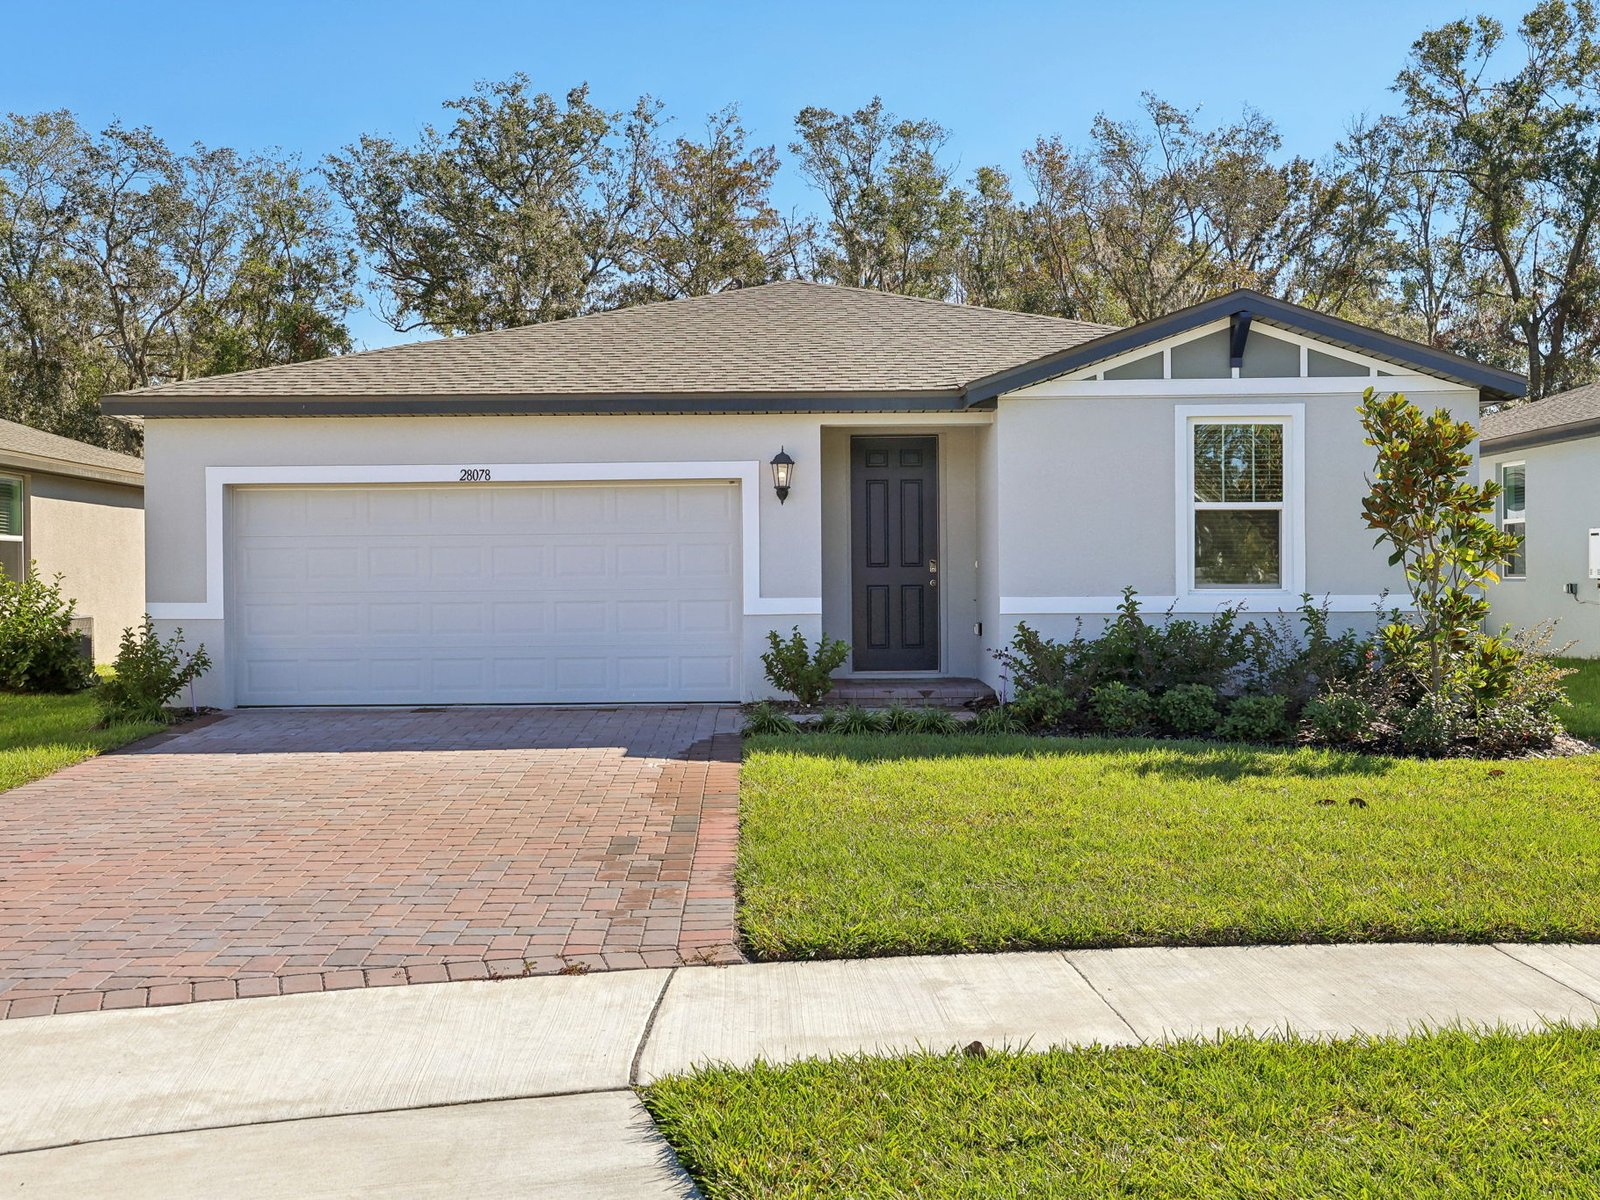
(1514,499)
(10,507)
(1517,564)
(11,563)
(1208,463)
(1238,548)
(1238,464)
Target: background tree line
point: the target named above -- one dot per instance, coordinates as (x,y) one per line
(1465,218)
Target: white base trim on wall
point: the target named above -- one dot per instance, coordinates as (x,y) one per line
(746,474)
(1275,602)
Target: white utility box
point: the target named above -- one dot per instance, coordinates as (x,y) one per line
(1594,554)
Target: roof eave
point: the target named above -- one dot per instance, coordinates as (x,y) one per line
(950,400)
(1572,431)
(1493,381)
(38,464)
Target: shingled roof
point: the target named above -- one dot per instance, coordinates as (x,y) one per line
(789,340)
(27,449)
(1556,418)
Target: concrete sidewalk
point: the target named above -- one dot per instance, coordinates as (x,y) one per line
(523,1086)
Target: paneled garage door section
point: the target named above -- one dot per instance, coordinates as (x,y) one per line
(485,594)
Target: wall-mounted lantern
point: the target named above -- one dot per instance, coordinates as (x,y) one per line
(782,473)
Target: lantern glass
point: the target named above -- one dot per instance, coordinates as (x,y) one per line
(782,474)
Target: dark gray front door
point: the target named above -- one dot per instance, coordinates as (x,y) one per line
(894,549)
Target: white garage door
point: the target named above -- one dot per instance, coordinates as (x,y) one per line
(484,594)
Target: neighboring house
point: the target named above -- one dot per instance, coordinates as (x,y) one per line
(1546,455)
(77,511)
(586,511)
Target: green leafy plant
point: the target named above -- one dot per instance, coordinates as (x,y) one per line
(148,672)
(935,721)
(1256,719)
(1338,719)
(1188,710)
(1042,708)
(38,646)
(897,718)
(765,719)
(1120,708)
(1422,502)
(997,720)
(794,667)
(853,720)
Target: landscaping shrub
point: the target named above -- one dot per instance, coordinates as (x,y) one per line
(852,720)
(998,720)
(1256,719)
(38,646)
(149,672)
(935,720)
(764,718)
(1338,719)
(1120,708)
(793,667)
(1042,708)
(1188,710)
(897,718)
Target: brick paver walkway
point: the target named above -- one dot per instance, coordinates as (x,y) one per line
(290,851)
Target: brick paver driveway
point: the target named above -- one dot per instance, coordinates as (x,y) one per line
(290,851)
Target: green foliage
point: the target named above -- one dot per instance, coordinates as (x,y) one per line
(851,720)
(38,647)
(1188,710)
(1422,502)
(793,667)
(148,673)
(41,734)
(1449,1115)
(764,719)
(1338,718)
(897,718)
(1042,708)
(1119,708)
(1256,719)
(997,720)
(1580,710)
(930,720)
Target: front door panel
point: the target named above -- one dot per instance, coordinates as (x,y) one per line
(894,519)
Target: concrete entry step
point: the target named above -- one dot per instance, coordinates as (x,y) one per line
(942,691)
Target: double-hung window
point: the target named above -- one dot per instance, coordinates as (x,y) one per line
(1514,515)
(13,560)
(1240,536)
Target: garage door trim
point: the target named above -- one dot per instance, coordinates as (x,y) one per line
(747,474)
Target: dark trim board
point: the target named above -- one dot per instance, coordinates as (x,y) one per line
(1492,381)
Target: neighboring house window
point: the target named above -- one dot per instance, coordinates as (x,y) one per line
(1514,514)
(1241,500)
(13,560)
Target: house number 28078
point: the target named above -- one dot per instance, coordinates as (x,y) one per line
(474,474)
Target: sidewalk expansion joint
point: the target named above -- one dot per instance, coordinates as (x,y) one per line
(1101,996)
(649,1027)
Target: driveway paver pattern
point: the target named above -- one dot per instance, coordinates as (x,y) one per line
(283,851)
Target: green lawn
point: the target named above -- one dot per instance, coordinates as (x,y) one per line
(1582,715)
(1448,1115)
(41,734)
(851,847)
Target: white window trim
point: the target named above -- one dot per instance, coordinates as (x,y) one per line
(1293,419)
(22,506)
(1522,520)
(746,474)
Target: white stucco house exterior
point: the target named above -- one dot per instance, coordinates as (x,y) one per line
(585,511)
(1546,455)
(76,511)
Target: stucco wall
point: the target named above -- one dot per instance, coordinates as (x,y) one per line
(791,534)
(1087,498)
(1563,505)
(92,534)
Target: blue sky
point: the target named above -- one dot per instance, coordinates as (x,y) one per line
(310,77)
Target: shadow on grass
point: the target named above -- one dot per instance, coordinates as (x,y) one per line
(1219,761)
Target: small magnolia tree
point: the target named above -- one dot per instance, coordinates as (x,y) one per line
(1422,503)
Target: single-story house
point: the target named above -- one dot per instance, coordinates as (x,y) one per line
(1546,456)
(78,512)
(619,507)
